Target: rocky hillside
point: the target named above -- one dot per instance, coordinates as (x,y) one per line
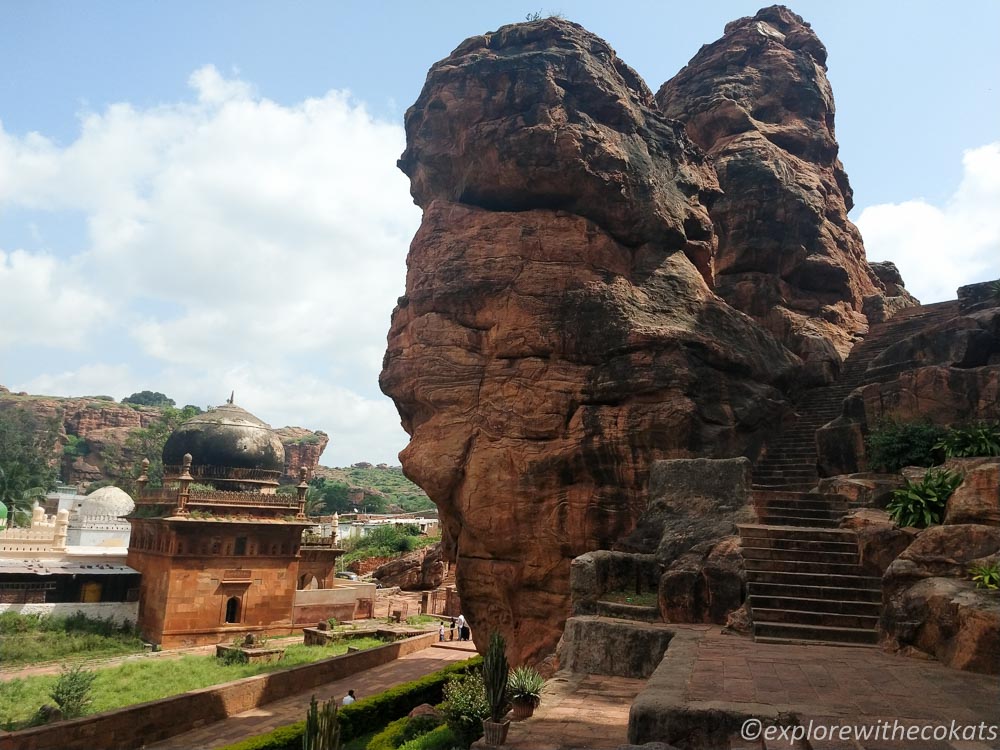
(93,435)
(603,278)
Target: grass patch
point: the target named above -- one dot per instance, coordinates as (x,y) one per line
(151,679)
(29,639)
(647,599)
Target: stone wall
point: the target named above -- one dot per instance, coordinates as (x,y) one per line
(117,611)
(146,723)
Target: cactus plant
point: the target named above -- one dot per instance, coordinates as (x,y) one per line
(495,675)
(322,730)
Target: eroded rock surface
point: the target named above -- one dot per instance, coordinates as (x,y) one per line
(758,101)
(558,334)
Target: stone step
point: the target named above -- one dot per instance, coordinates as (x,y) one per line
(795,567)
(780,532)
(829,580)
(830,512)
(800,555)
(774,519)
(783,502)
(827,619)
(783,485)
(837,606)
(814,633)
(798,545)
(806,591)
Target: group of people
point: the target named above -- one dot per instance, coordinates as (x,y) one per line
(463,629)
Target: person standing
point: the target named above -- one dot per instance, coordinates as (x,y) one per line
(451,630)
(463,629)
(441,633)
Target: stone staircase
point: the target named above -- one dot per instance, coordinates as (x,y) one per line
(804,579)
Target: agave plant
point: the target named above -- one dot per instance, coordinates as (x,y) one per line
(921,504)
(525,685)
(995,289)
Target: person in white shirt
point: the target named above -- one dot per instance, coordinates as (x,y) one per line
(348,699)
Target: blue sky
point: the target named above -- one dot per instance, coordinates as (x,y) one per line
(196,197)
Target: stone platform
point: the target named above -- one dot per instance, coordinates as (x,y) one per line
(710,683)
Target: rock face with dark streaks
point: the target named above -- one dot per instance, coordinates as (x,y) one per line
(759,103)
(558,333)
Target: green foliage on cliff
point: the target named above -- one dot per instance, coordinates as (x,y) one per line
(149,398)
(385,490)
(26,445)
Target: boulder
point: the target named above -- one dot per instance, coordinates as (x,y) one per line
(597,645)
(940,552)
(558,333)
(880,540)
(419,570)
(864,489)
(949,619)
(977,498)
(706,584)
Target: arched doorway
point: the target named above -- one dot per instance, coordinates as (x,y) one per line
(233,609)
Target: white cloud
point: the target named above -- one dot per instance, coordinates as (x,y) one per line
(939,249)
(42,301)
(236,235)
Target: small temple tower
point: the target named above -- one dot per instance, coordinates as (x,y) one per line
(217,547)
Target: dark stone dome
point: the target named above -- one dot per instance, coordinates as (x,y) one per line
(226,437)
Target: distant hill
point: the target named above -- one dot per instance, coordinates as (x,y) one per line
(98,439)
(382,488)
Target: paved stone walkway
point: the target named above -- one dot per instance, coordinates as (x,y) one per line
(585,711)
(292,709)
(708,674)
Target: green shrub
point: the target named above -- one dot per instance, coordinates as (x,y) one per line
(367,714)
(921,504)
(389,738)
(893,445)
(980,439)
(986,576)
(465,707)
(995,288)
(72,691)
(441,738)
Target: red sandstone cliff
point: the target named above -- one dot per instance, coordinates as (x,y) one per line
(557,333)
(758,102)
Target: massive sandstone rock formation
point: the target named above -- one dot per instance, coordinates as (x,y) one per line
(560,331)
(759,103)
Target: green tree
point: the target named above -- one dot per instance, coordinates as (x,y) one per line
(26,446)
(149,398)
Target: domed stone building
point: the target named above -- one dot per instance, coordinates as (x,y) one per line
(98,519)
(220,551)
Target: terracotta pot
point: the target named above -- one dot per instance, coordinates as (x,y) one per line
(495,732)
(523,709)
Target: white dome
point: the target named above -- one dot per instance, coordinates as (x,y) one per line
(107,501)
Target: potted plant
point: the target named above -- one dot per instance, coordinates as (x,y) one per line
(525,685)
(495,674)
